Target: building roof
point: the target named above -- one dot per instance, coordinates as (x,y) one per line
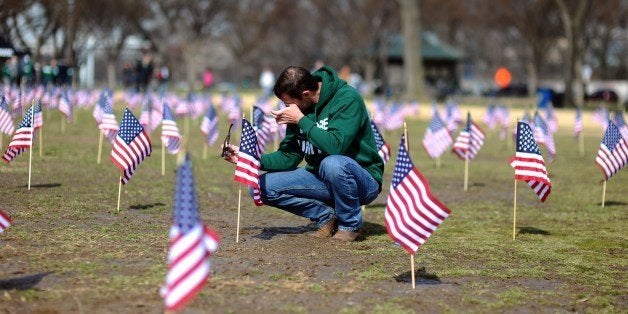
(431,48)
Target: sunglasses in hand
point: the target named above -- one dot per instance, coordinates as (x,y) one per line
(225,145)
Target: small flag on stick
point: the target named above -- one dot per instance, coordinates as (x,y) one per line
(529,164)
(131,146)
(191,244)
(248,165)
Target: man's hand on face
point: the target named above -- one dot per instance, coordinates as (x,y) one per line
(230,153)
(290,114)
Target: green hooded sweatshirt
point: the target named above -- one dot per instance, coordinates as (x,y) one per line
(338,124)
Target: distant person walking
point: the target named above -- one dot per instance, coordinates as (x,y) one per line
(144,71)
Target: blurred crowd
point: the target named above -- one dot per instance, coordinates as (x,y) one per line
(21,69)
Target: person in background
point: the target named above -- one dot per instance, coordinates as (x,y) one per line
(144,72)
(266,82)
(208,79)
(328,125)
(163,76)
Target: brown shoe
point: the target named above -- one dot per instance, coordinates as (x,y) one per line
(326,231)
(345,235)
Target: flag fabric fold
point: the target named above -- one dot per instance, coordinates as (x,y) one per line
(6,121)
(248,165)
(262,123)
(23,137)
(412,213)
(612,155)
(469,141)
(5,221)
(191,244)
(65,105)
(437,139)
(529,164)
(209,125)
(131,146)
(170,136)
(383,149)
(544,136)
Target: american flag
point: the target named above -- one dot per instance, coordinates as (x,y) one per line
(395,116)
(5,221)
(23,137)
(490,118)
(131,146)
(528,162)
(382,147)
(613,153)
(65,105)
(108,124)
(437,139)
(454,117)
(618,118)
(544,136)
(577,125)
(151,114)
(248,165)
(262,125)
(170,136)
(209,125)
(412,212)
(38,120)
(103,101)
(191,244)
(502,117)
(550,118)
(17,103)
(601,115)
(469,141)
(6,122)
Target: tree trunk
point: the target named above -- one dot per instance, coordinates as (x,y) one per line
(412,61)
(111,73)
(573,25)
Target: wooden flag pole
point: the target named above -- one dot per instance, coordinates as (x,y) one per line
(466,169)
(438,162)
(514,216)
(100,147)
(1,140)
(119,191)
(62,125)
(238,221)
(163,159)
(205,151)
(412,271)
(603,193)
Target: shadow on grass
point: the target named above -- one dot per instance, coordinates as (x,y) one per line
(44,186)
(22,283)
(145,206)
(268,233)
(421,277)
(612,203)
(478,184)
(372,229)
(532,230)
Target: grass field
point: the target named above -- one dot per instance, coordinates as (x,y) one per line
(71,251)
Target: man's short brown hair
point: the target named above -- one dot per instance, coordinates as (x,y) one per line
(293,81)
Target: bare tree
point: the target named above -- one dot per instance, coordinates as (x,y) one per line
(573,15)
(412,61)
(536,22)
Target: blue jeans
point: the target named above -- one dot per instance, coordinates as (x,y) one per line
(338,189)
